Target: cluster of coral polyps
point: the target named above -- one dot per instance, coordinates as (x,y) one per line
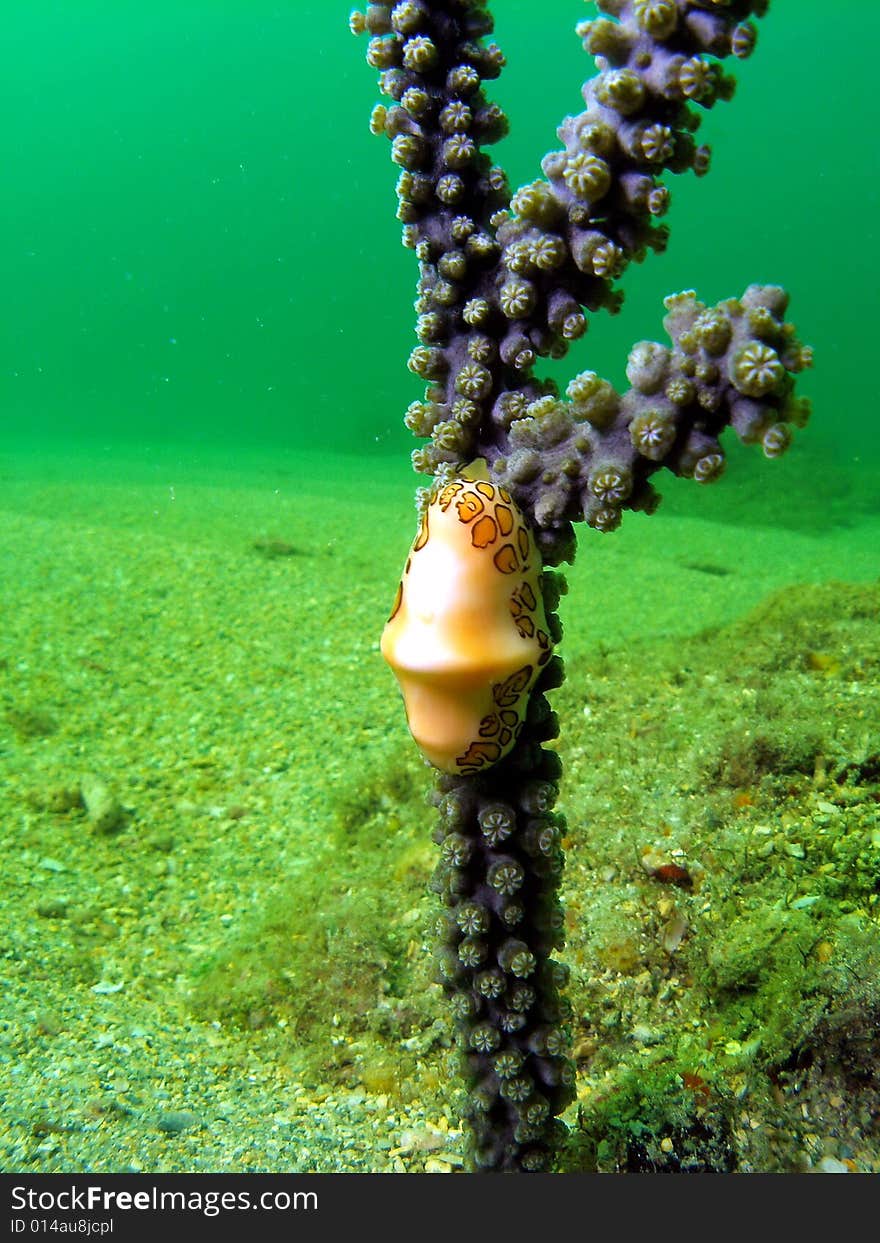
(505,279)
(591,456)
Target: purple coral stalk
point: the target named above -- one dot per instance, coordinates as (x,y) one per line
(505,280)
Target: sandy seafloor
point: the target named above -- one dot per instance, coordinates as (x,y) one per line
(197,633)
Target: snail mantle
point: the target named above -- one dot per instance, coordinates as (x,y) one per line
(467,636)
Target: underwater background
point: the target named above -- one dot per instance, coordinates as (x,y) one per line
(215,925)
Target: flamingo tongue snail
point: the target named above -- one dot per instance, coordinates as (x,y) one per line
(467,636)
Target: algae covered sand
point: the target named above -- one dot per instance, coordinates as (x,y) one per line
(217,924)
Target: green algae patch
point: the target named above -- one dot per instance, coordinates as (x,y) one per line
(321,952)
(30,721)
(654,1119)
(381,804)
(763,979)
(335,955)
(729,1023)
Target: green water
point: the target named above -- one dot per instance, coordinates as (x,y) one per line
(198,232)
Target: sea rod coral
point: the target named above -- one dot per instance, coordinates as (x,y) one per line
(505,279)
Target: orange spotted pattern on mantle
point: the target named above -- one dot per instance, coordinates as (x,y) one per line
(486,638)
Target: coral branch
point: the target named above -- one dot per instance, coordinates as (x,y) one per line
(504,281)
(500,866)
(591,457)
